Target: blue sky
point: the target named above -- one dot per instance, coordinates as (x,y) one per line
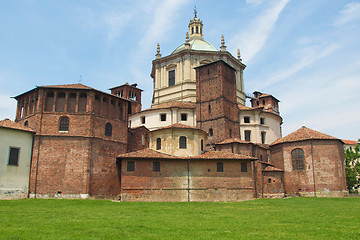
(306,53)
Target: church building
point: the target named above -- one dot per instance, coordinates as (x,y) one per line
(197,142)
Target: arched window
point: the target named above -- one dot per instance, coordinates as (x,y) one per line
(158,143)
(297,156)
(182,142)
(202,145)
(108,129)
(26,123)
(64,124)
(211,132)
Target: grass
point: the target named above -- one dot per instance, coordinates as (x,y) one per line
(293,218)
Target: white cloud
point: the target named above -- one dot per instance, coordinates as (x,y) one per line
(255,36)
(164,16)
(351,12)
(115,22)
(324,100)
(307,56)
(112,21)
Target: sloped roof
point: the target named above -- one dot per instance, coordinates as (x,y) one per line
(68,86)
(237,140)
(233,140)
(303,134)
(272,169)
(243,107)
(268,95)
(222,155)
(127,84)
(174,104)
(146,153)
(7,123)
(152,154)
(72,86)
(179,126)
(349,142)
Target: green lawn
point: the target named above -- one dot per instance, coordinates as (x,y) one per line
(293,218)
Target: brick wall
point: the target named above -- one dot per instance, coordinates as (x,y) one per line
(323,173)
(175,183)
(82,160)
(138,139)
(216,104)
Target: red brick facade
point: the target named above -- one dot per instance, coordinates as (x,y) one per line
(79,159)
(323,173)
(82,135)
(186,180)
(216,105)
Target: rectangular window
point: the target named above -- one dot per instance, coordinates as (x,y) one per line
(163,117)
(171,78)
(14,156)
(220,167)
(156,166)
(243,167)
(130,166)
(263,135)
(143,120)
(158,143)
(143,139)
(247,135)
(182,142)
(262,121)
(183,117)
(246,119)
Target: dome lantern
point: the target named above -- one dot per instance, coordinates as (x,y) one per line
(196,27)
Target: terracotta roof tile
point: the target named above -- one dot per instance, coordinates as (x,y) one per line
(146,153)
(266,146)
(267,95)
(237,140)
(69,86)
(233,140)
(303,134)
(179,126)
(77,86)
(222,155)
(272,169)
(149,153)
(175,104)
(349,142)
(7,123)
(243,107)
(127,84)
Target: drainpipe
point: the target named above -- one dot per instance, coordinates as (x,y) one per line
(254,170)
(312,159)
(31,158)
(188,179)
(39,143)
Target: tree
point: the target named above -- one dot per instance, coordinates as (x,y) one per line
(352,167)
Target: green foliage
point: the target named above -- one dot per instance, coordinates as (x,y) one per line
(292,218)
(352,167)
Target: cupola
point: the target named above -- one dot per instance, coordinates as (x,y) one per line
(196,27)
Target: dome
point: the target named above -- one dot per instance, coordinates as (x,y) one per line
(197,44)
